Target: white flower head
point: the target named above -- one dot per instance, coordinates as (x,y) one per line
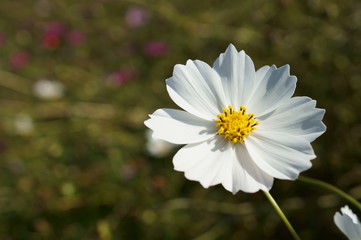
(23,124)
(242,128)
(48,90)
(348,223)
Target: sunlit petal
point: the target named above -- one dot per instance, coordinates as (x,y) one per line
(348,223)
(179,127)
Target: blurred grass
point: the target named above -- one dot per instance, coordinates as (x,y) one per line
(77,167)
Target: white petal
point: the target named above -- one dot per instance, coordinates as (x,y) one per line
(260,74)
(280,156)
(203,162)
(345,223)
(180,127)
(274,87)
(237,72)
(247,176)
(218,161)
(297,117)
(347,211)
(197,88)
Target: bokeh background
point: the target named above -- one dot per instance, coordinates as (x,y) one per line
(78,78)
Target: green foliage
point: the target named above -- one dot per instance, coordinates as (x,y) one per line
(76,166)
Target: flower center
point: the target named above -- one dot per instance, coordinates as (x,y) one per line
(236,125)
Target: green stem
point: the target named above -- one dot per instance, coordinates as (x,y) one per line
(282,215)
(331,188)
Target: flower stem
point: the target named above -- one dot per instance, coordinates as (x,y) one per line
(331,188)
(282,215)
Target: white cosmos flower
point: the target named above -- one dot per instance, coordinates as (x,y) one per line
(23,124)
(48,90)
(348,223)
(242,127)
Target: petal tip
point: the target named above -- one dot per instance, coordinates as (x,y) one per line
(231,49)
(146,122)
(231,46)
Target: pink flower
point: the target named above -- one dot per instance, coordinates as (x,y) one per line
(75,37)
(51,41)
(52,35)
(136,17)
(55,27)
(120,77)
(19,60)
(155,48)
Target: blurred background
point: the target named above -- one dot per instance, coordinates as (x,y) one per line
(78,78)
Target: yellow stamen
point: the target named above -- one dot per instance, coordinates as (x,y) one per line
(236,125)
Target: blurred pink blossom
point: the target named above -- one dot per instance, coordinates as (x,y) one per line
(55,27)
(120,77)
(19,60)
(51,40)
(52,35)
(155,48)
(56,32)
(136,17)
(75,37)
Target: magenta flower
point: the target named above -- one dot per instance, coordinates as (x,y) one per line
(120,77)
(136,17)
(52,35)
(51,41)
(156,48)
(19,60)
(55,27)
